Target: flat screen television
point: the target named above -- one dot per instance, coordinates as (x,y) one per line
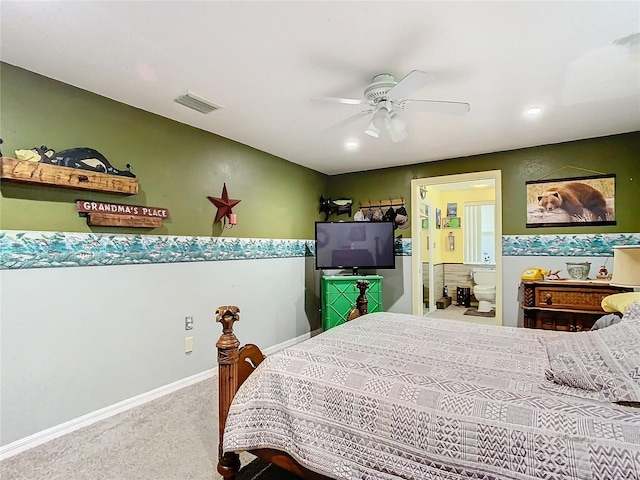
(354,245)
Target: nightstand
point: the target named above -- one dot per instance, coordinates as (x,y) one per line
(563,304)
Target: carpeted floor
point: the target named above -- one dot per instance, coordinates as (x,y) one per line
(172,438)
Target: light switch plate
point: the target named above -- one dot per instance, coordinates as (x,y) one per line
(188,345)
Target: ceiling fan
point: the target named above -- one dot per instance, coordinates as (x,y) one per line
(384,97)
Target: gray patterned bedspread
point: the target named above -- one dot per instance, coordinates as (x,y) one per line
(399,396)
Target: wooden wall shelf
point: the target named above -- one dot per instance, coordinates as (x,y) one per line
(22,171)
(110,220)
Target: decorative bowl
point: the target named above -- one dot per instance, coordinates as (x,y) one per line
(578,271)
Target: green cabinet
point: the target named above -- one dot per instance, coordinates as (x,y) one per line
(339,294)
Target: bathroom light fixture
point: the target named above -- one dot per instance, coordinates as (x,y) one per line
(351,145)
(451,242)
(533,111)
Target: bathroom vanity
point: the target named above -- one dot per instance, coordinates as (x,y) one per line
(568,305)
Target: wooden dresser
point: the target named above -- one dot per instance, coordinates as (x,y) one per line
(564,305)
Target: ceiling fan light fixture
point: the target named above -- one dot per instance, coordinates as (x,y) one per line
(372,130)
(384,95)
(398,135)
(397,128)
(381,118)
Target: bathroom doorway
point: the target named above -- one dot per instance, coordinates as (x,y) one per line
(438,243)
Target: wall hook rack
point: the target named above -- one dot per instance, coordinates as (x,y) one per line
(394,203)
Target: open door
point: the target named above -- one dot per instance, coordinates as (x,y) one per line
(421,271)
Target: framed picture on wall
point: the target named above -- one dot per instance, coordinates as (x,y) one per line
(452,209)
(451,222)
(571,201)
(438,217)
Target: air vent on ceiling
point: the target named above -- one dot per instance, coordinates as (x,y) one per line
(197,103)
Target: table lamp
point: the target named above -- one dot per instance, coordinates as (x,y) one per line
(626,266)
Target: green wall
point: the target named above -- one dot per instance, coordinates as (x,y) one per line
(177,166)
(617,154)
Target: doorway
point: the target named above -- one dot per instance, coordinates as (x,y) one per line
(428,238)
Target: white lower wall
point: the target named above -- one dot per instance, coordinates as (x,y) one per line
(75,340)
(396,286)
(80,339)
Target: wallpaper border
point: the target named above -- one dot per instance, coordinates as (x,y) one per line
(571,245)
(28,249)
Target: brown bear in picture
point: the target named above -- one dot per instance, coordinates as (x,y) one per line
(573,197)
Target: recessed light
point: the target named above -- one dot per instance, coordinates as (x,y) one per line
(533,111)
(351,145)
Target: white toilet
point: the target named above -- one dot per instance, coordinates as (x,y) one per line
(485,288)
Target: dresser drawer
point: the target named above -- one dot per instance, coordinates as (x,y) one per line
(555,321)
(570,298)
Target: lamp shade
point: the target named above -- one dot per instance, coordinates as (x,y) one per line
(626,266)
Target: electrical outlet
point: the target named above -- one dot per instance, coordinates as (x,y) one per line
(188,345)
(188,323)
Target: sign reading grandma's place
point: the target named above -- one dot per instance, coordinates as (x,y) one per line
(88,206)
(103,214)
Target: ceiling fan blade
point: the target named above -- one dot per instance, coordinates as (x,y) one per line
(347,101)
(456,108)
(348,121)
(415,80)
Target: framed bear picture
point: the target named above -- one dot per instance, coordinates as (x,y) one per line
(571,201)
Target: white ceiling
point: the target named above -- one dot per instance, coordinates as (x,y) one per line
(264,61)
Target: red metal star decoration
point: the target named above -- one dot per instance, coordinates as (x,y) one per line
(224,204)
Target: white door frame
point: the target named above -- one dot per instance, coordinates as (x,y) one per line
(418,248)
(416,238)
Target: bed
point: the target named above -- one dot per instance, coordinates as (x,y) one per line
(390,396)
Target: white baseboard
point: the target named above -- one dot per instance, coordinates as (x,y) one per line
(288,343)
(65,428)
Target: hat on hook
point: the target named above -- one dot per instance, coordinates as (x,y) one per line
(368,215)
(402,218)
(390,215)
(378,215)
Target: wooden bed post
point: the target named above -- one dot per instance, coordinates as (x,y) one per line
(362,303)
(228,345)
